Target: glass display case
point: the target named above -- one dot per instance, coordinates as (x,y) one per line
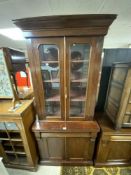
(65,61)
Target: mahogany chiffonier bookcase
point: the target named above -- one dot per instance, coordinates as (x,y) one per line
(65,57)
(114,146)
(17,144)
(118,101)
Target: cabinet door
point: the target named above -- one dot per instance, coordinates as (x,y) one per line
(48,74)
(82,74)
(79,148)
(116,149)
(51,148)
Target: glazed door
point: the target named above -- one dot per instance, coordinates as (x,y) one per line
(50,80)
(82,75)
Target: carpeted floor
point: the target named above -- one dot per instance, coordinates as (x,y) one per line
(72,170)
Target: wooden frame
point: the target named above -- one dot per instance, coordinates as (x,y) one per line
(6,88)
(119,112)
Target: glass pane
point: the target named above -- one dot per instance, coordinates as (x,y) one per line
(11,126)
(78,82)
(49,55)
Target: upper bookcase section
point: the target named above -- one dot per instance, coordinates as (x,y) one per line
(69,25)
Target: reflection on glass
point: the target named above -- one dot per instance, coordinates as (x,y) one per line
(78,82)
(49,55)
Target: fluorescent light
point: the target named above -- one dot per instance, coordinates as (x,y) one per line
(12,33)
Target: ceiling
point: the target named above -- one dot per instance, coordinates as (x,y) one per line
(119,35)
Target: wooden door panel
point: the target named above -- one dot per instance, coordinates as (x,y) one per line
(78,148)
(52,148)
(119,151)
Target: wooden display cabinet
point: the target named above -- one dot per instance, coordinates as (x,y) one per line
(114,147)
(65,59)
(17,145)
(118,101)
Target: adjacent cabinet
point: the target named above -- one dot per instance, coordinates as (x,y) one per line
(113,147)
(17,144)
(65,59)
(118,102)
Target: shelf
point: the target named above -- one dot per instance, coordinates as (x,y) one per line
(53,98)
(16,139)
(53,114)
(17,144)
(21,159)
(78,98)
(79,61)
(45,62)
(79,80)
(52,81)
(77,115)
(4,139)
(15,152)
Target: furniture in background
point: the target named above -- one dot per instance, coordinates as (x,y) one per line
(65,59)
(17,64)
(6,87)
(17,145)
(113,146)
(118,101)
(110,56)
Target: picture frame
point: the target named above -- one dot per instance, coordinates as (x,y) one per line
(6,88)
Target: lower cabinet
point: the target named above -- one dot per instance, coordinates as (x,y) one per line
(66,147)
(114,147)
